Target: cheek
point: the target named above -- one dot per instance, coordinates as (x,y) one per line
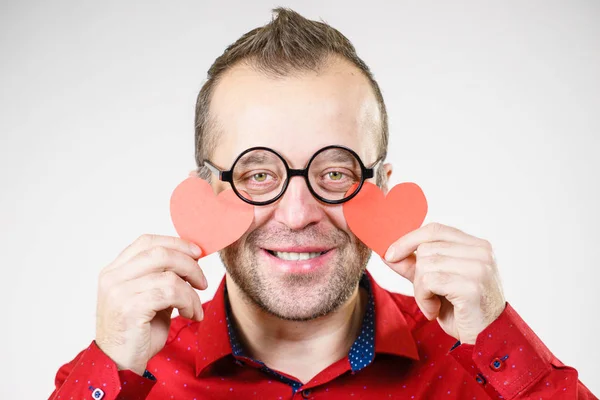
(336,216)
(219,186)
(261,216)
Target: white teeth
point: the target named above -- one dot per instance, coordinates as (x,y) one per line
(295,256)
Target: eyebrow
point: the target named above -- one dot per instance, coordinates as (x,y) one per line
(338,155)
(257,158)
(342,155)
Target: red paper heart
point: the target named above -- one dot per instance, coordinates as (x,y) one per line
(212,222)
(378,220)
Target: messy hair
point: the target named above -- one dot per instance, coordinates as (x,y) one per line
(287,44)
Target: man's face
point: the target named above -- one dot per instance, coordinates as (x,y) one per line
(296,116)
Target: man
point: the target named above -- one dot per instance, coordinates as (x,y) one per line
(297,315)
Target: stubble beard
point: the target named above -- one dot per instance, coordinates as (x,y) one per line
(297,297)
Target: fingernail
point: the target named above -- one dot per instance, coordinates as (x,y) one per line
(195,250)
(389,256)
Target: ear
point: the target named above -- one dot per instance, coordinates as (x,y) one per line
(193,174)
(387,170)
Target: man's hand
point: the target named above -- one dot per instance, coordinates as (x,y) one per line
(454,276)
(136,296)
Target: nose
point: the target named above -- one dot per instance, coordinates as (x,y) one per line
(297,208)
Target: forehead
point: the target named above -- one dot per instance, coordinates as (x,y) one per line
(295,115)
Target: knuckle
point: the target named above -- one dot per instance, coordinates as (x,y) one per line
(105,281)
(114,298)
(159,253)
(480,271)
(145,240)
(490,271)
(486,244)
(170,292)
(432,259)
(158,295)
(422,264)
(425,249)
(170,278)
(489,258)
(190,301)
(435,227)
(126,308)
(485,271)
(428,279)
(424,279)
(472,290)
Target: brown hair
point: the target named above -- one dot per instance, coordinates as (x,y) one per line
(288,43)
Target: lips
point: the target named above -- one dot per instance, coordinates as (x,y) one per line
(298,259)
(296,256)
(297,253)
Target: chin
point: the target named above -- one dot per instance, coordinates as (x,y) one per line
(304,296)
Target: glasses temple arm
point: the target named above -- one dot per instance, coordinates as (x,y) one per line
(371,170)
(216,171)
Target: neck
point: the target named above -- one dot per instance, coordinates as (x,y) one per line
(297,348)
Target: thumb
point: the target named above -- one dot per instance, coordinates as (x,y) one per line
(404,267)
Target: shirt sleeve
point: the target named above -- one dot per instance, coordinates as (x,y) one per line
(510,362)
(92,374)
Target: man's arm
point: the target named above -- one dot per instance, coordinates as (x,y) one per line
(510,362)
(92,374)
(456,281)
(136,295)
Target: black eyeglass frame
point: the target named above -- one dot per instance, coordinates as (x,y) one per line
(227,175)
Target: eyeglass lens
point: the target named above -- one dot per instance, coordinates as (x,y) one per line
(260,175)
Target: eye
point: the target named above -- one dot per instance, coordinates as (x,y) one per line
(260,177)
(335,175)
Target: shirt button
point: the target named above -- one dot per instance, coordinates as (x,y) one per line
(306,393)
(97,394)
(497,365)
(480,379)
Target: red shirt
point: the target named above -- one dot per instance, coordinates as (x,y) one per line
(413,358)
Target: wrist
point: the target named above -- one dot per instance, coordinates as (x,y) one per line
(122,365)
(139,370)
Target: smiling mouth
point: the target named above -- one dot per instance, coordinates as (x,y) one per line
(292,256)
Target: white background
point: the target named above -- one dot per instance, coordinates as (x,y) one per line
(494,110)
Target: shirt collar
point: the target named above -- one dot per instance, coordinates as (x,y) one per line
(392,333)
(211,333)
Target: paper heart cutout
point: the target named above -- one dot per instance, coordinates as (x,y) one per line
(378,220)
(212,222)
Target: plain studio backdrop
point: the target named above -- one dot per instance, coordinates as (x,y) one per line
(494,111)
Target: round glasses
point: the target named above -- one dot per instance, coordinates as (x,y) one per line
(260,176)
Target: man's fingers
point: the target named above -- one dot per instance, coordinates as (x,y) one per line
(468,269)
(449,249)
(165,290)
(430,286)
(471,268)
(429,302)
(159,259)
(433,232)
(146,242)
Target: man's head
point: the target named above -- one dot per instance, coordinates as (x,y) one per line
(294,86)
